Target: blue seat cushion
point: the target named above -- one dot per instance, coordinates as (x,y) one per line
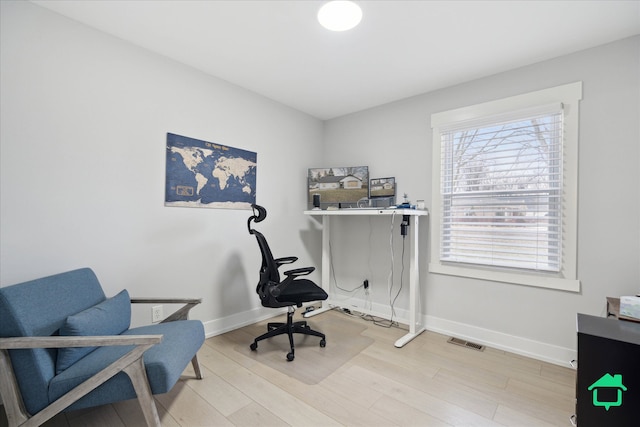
(164,364)
(110,317)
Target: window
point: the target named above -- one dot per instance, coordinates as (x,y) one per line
(505,188)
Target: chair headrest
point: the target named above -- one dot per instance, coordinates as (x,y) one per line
(262,212)
(258,216)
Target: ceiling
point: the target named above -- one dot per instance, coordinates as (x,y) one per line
(400,49)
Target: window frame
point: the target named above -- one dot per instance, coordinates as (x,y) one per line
(566,279)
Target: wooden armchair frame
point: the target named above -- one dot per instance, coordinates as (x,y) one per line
(131,363)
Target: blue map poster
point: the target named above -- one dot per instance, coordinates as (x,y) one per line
(208,175)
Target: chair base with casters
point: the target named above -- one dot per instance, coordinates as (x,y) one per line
(289,328)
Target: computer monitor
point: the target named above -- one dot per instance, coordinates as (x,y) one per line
(340,187)
(382,192)
(382,187)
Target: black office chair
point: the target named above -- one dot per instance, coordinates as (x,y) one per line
(291,292)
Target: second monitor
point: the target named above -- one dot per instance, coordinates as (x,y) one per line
(382,192)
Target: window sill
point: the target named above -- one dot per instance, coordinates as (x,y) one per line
(537,280)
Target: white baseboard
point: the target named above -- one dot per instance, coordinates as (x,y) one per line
(514,344)
(239,320)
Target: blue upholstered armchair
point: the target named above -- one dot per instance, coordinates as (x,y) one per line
(65,346)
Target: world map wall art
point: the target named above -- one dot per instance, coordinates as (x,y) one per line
(203,174)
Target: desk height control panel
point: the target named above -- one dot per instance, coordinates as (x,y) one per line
(412,215)
(608,380)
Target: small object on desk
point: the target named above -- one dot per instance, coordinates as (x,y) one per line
(630,307)
(613,309)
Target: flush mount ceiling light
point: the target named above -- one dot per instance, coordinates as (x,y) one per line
(339,15)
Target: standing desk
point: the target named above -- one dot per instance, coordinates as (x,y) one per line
(415,319)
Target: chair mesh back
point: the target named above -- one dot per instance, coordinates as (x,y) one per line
(269,269)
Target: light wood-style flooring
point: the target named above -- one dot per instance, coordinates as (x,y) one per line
(426,383)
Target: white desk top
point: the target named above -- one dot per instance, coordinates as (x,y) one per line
(356,211)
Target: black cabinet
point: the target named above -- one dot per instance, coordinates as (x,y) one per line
(608,377)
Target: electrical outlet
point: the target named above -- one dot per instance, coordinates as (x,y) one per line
(156,313)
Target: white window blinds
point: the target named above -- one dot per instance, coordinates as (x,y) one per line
(501,189)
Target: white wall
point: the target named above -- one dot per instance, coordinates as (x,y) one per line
(395,140)
(84,120)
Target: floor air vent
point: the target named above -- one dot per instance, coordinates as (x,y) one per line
(464,343)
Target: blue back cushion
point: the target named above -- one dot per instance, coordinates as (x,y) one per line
(110,317)
(39,308)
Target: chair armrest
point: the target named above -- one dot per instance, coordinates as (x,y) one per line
(15,343)
(181,314)
(275,291)
(300,271)
(285,260)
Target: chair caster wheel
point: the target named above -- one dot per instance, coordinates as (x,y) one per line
(323,343)
(290,357)
(253,346)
